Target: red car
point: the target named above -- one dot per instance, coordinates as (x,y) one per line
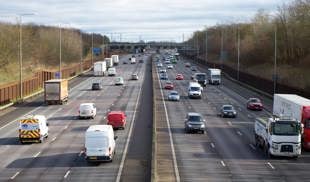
(179,77)
(254,104)
(117,119)
(169,85)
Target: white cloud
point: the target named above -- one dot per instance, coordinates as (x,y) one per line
(145,18)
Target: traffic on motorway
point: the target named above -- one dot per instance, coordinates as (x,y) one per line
(221,131)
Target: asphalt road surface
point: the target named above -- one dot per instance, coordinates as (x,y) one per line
(227,151)
(61,157)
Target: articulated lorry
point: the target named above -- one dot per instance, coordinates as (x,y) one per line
(296,107)
(99,68)
(56,91)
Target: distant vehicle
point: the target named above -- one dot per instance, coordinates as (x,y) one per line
(33,128)
(56,91)
(100,143)
(163,76)
(228,111)
(115,59)
(119,81)
(163,71)
(125,62)
(194,123)
(194,68)
(254,104)
(179,77)
(173,96)
(133,60)
(194,90)
(188,65)
(167,62)
(96,86)
(99,68)
(111,71)
(117,119)
(87,110)
(141,61)
(159,65)
(109,62)
(214,76)
(278,136)
(170,66)
(134,76)
(169,85)
(296,107)
(201,78)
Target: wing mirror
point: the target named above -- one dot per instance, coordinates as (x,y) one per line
(115,137)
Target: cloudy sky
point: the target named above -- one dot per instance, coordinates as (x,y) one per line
(131,20)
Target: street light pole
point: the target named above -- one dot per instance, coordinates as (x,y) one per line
(21,57)
(60,61)
(206,46)
(238,45)
(275,61)
(92,48)
(81,69)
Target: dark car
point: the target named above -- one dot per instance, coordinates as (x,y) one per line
(125,62)
(228,111)
(194,68)
(254,104)
(141,61)
(163,76)
(194,123)
(96,86)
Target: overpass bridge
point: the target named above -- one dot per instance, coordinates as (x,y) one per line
(132,47)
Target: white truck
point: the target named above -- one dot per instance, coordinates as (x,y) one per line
(115,59)
(296,107)
(214,76)
(109,62)
(99,68)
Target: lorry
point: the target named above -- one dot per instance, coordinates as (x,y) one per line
(56,91)
(33,128)
(296,107)
(109,62)
(115,59)
(214,76)
(278,136)
(99,68)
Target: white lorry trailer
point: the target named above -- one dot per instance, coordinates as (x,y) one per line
(109,62)
(115,59)
(99,68)
(214,76)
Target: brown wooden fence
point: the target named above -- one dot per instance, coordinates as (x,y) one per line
(11,92)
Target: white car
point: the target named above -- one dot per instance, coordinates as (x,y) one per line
(162,71)
(170,66)
(111,72)
(119,81)
(159,65)
(87,110)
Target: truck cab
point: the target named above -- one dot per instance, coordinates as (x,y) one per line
(278,136)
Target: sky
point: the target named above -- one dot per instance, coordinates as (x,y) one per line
(134,20)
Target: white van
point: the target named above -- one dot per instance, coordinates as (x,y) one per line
(33,128)
(214,76)
(194,90)
(133,61)
(100,143)
(111,72)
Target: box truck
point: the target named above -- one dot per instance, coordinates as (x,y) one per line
(296,107)
(33,128)
(115,59)
(214,76)
(99,68)
(56,91)
(109,62)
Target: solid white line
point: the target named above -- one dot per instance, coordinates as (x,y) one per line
(239,133)
(14,176)
(66,127)
(249,116)
(223,164)
(120,170)
(54,139)
(229,123)
(252,146)
(67,174)
(37,154)
(270,165)
(212,145)
(176,170)
(48,116)
(20,117)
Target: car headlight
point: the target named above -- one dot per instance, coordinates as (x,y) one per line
(189,125)
(225,112)
(203,126)
(235,112)
(275,146)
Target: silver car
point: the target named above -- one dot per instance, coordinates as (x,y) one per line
(173,96)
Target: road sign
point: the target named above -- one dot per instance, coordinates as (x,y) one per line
(57,75)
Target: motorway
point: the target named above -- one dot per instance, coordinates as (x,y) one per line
(61,157)
(227,151)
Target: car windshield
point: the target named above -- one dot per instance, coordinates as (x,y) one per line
(95,84)
(174,93)
(200,77)
(255,100)
(216,76)
(227,108)
(195,89)
(194,118)
(119,79)
(285,128)
(86,107)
